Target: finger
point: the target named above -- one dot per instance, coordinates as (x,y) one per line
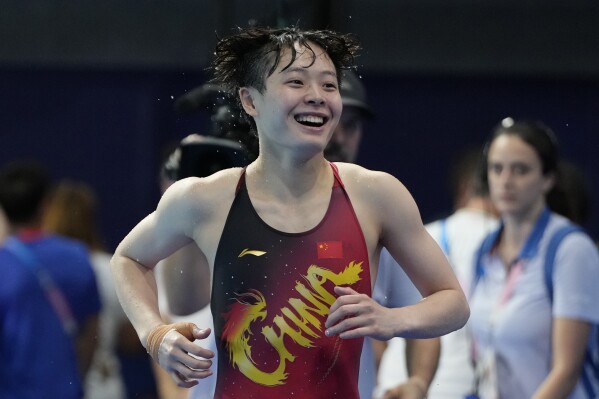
(201,333)
(342,290)
(346,317)
(342,312)
(187,374)
(181,381)
(352,327)
(181,351)
(178,342)
(191,362)
(346,299)
(197,351)
(355,333)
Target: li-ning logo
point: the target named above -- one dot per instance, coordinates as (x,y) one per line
(248,251)
(302,327)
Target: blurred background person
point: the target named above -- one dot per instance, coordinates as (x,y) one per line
(344,144)
(49,301)
(72,212)
(530,343)
(459,235)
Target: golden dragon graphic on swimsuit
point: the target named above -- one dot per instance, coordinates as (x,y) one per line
(302,326)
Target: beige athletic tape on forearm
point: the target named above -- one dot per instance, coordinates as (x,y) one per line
(157,335)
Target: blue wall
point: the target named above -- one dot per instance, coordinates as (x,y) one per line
(109,128)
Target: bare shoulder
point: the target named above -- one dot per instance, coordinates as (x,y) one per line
(199,197)
(371,185)
(191,209)
(383,204)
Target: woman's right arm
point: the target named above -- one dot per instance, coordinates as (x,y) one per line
(153,239)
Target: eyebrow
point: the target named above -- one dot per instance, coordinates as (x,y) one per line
(303,70)
(510,164)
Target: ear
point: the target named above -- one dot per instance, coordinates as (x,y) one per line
(549,182)
(247,100)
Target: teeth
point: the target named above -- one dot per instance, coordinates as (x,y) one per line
(310,119)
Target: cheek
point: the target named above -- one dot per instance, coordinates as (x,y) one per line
(493,182)
(532,188)
(335,106)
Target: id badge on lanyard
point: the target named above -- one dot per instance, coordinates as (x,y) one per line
(486,366)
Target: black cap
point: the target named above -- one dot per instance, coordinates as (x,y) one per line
(353,93)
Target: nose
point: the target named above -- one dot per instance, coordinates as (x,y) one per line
(505,176)
(314,95)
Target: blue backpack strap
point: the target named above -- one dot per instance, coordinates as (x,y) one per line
(590,369)
(552,247)
(444,239)
(51,289)
(485,247)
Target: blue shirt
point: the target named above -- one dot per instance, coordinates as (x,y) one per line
(37,356)
(518,330)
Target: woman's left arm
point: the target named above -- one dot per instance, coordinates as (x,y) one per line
(569,343)
(390,218)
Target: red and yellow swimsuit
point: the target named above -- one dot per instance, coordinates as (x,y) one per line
(271,296)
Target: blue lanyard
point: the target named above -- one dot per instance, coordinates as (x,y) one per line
(46,282)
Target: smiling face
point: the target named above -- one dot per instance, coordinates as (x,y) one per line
(300,104)
(517,184)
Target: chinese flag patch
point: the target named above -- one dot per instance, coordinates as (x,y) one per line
(330,250)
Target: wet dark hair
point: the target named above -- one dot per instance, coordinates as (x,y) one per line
(467,172)
(247,58)
(536,134)
(24,185)
(571,195)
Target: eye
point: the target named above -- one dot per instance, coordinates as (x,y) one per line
(494,169)
(295,82)
(521,169)
(330,86)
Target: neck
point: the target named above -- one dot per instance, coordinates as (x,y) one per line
(483,204)
(517,227)
(288,178)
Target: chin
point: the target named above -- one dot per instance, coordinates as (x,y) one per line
(510,209)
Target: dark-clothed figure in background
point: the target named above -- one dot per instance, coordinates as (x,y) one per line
(49,301)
